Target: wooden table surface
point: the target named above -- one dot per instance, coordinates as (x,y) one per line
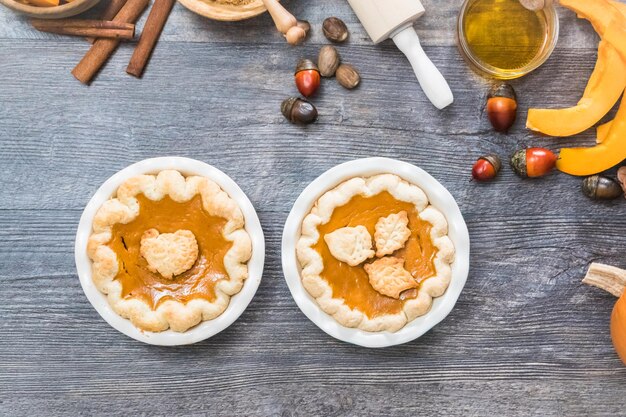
(526,337)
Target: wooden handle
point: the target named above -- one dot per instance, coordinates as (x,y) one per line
(608,278)
(295,35)
(282,18)
(535,5)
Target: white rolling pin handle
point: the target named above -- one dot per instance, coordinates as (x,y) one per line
(432,82)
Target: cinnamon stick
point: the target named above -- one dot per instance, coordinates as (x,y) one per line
(86,27)
(149,36)
(109,13)
(102,49)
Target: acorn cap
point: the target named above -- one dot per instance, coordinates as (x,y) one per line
(287,105)
(494,160)
(305,65)
(502,90)
(518,163)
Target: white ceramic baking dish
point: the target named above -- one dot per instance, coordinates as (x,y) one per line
(439,197)
(238,302)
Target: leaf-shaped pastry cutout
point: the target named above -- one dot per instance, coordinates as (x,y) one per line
(351,245)
(388,276)
(391,233)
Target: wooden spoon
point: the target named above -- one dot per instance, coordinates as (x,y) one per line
(286,23)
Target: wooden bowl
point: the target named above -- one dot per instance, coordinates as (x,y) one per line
(58,12)
(225,12)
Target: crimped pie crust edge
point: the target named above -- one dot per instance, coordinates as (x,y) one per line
(312,264)
(124,207)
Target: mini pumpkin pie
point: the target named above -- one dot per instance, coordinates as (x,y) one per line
(374,253)
(169,251)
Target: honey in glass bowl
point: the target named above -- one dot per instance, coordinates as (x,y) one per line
(503,39)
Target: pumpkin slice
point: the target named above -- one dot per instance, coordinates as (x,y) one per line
(599,12)
(619,6)
(605,86)
(612,150)
(602,131)
(589,161)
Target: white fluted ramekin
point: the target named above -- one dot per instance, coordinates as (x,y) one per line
(438,196)
(238,302)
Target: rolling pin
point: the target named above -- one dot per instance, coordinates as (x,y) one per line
(394,19)
(295,31)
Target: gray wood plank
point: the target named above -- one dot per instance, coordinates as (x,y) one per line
(526,338)
(436,27)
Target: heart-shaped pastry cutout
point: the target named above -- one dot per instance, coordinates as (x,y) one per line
(169,254)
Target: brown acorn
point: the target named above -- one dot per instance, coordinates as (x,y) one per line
(598,187)
(502,107)
(621,177)
(298,110)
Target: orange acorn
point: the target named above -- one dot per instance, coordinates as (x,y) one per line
(533,162)
(486,168)
(307,77)
(502,107)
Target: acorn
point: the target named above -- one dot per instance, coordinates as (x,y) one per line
(328,60)
(502,107)
(307,77)
(533,162)
(486,168)
(621,177)
(598,187)
(298,110)
(335,29)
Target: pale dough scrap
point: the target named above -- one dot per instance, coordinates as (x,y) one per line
(388,276)
(351,245)
(169,254)
(391,233)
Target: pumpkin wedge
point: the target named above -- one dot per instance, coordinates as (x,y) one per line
(612,150)
(602,131)
(605,86)
(619,6)
(590,161)
(599,12)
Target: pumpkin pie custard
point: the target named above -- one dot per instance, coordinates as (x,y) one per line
(374,253)
(169,251)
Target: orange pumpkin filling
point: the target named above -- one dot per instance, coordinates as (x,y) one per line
(351,283)
(168,216)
